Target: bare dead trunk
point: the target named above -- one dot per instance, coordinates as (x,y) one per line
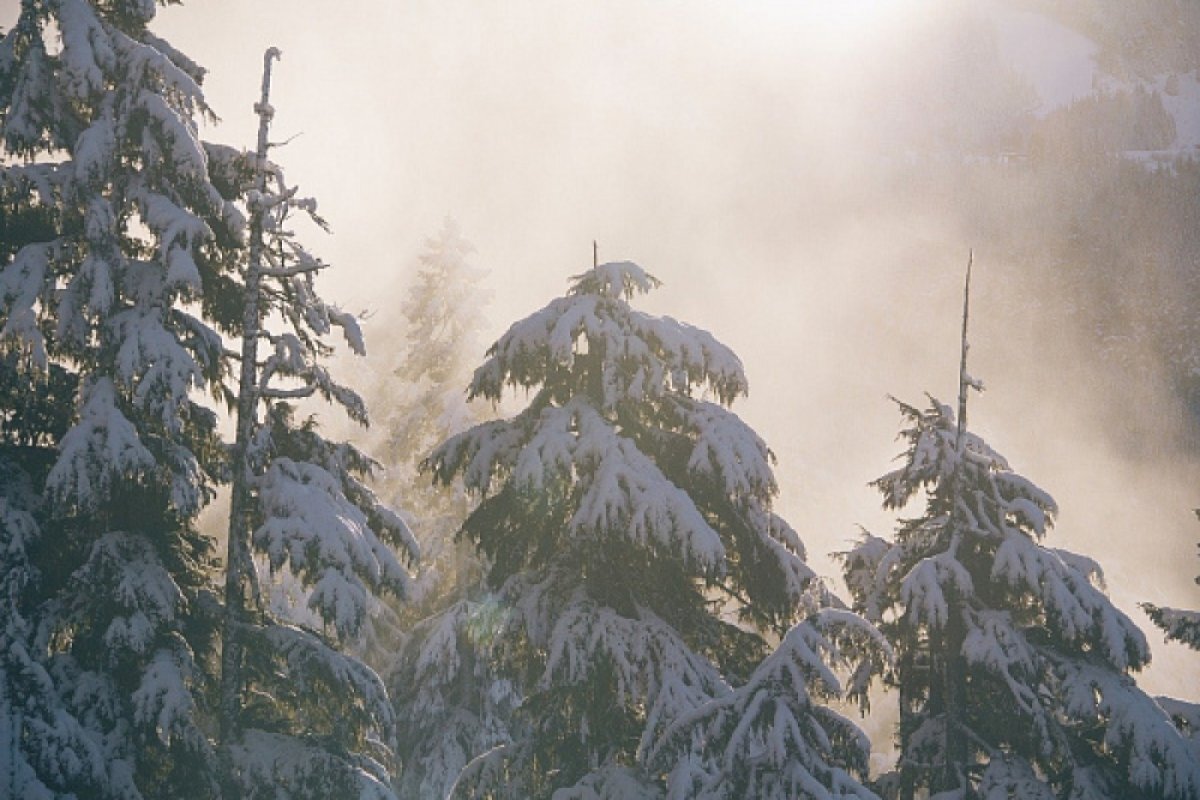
(239,568)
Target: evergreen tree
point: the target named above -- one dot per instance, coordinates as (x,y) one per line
(298,716)
(450,705)
(637,563)
(1014,669)
(110,643)
(124,276)
(426,403)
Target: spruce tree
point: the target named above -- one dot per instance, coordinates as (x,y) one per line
(125,276)
(113,621)
(1014,670)
(639,570)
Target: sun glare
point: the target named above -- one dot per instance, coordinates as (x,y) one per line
(846,16)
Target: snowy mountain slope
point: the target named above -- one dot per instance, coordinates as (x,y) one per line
(1064,65)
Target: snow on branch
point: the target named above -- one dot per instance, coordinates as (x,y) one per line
(624,494)
(100,450)
(727,450)
(651,664)
(616,280)
(22,284)
(327,540)
(1179,624)
(643,356)
(768,738)
(1081,612)
(1151,751)
(273,765)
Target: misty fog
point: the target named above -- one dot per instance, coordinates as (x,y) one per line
(806,179)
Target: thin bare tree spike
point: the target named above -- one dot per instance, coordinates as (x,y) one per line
(240,578)
(964,379)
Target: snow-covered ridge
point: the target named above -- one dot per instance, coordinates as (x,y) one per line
(1061,64)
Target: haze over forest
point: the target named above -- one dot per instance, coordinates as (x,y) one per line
(807,180)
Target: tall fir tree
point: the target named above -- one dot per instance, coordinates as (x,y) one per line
(1014,669)
(298,715)
(125,274)
(114,620)
(637,563)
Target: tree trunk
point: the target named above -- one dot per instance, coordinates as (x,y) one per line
(954,773)
(907,680)
(240,579)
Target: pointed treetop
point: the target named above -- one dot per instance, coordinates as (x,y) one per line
(615,279)
(965,381)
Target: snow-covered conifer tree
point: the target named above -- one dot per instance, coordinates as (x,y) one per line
(297,715)
(1014,669)
(114,619)
(124,278)
(449,703)
(638,567)
(424,401)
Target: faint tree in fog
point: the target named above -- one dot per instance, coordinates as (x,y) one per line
(450,704)
(423,401)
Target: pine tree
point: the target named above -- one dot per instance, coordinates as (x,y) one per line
(297,714)
(638,566)
(1013,667)
(110,643)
